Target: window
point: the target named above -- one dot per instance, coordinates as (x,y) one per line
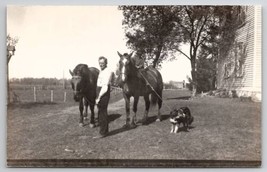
(229,66)
(227,70)
(240,59)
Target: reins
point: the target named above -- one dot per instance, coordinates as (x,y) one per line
(153,89)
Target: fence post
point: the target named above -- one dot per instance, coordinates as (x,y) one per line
(65,96)
(34,94)
(52,95)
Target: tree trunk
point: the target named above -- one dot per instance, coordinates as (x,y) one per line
(8,89)
(155,61)
(194,87)
(193,74)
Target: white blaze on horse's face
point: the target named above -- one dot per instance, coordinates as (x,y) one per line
(123,77)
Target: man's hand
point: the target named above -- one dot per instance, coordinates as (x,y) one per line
(97,101)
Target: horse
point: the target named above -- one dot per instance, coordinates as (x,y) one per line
(84,83)
(135,83)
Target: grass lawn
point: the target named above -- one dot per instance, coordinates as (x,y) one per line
(223,129)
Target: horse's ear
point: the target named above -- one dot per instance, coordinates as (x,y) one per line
(71,73)
(119,54)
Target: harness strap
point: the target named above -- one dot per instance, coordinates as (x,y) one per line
(153,89)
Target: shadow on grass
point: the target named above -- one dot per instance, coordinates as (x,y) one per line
(120,130)
(180,98)
(113,117)
(183,129)
(29,104)
(152,119)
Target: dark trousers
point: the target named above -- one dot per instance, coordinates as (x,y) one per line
(103,111)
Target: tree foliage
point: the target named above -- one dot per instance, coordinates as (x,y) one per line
(158,32)
(11,41)
(11,44)
(151,31)
(221,38)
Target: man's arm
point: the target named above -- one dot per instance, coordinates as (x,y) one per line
(104,87)
(103,90)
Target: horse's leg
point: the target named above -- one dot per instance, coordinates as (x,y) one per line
(159,106)
(85,103)
(81,112)
(134,120)
(147,102)
(127,107)
(92,120)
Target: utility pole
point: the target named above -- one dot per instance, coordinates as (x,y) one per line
(64,84)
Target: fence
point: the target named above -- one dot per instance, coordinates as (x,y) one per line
(38,94)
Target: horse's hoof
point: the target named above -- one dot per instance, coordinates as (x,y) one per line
(133,126)
(144,121)
(92,125)
(158,120)
(81,124)
(126,126)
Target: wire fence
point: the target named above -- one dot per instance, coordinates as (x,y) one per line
(39,93)
(49,93)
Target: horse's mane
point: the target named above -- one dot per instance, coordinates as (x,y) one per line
(80,69)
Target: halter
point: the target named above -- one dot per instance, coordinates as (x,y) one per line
(80,91)
(76,77)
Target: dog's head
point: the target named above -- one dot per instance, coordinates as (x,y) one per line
(173,115)
(176,115)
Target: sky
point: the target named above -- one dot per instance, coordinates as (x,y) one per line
(54,39)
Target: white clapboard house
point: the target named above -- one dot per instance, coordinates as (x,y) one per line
(241,70)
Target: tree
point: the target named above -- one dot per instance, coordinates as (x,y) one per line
(151,31)
(206,72)
(158,31)
(11,44)
(207,28)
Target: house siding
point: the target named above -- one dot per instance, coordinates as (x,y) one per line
(257,67)
(249,36)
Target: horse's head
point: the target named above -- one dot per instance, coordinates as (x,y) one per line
(124,66)
(77,82)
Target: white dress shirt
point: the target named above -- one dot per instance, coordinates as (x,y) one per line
(103,81)
(104,77)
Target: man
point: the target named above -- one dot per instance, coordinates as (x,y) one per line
(103,91)
(139,61)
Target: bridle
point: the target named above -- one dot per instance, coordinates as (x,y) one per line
(77,77)
(81,91)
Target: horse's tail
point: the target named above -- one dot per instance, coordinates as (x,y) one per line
(156,97)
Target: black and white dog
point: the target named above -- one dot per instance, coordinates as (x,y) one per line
(181,115)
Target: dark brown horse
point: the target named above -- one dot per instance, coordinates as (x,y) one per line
(84,82)
(137,83)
